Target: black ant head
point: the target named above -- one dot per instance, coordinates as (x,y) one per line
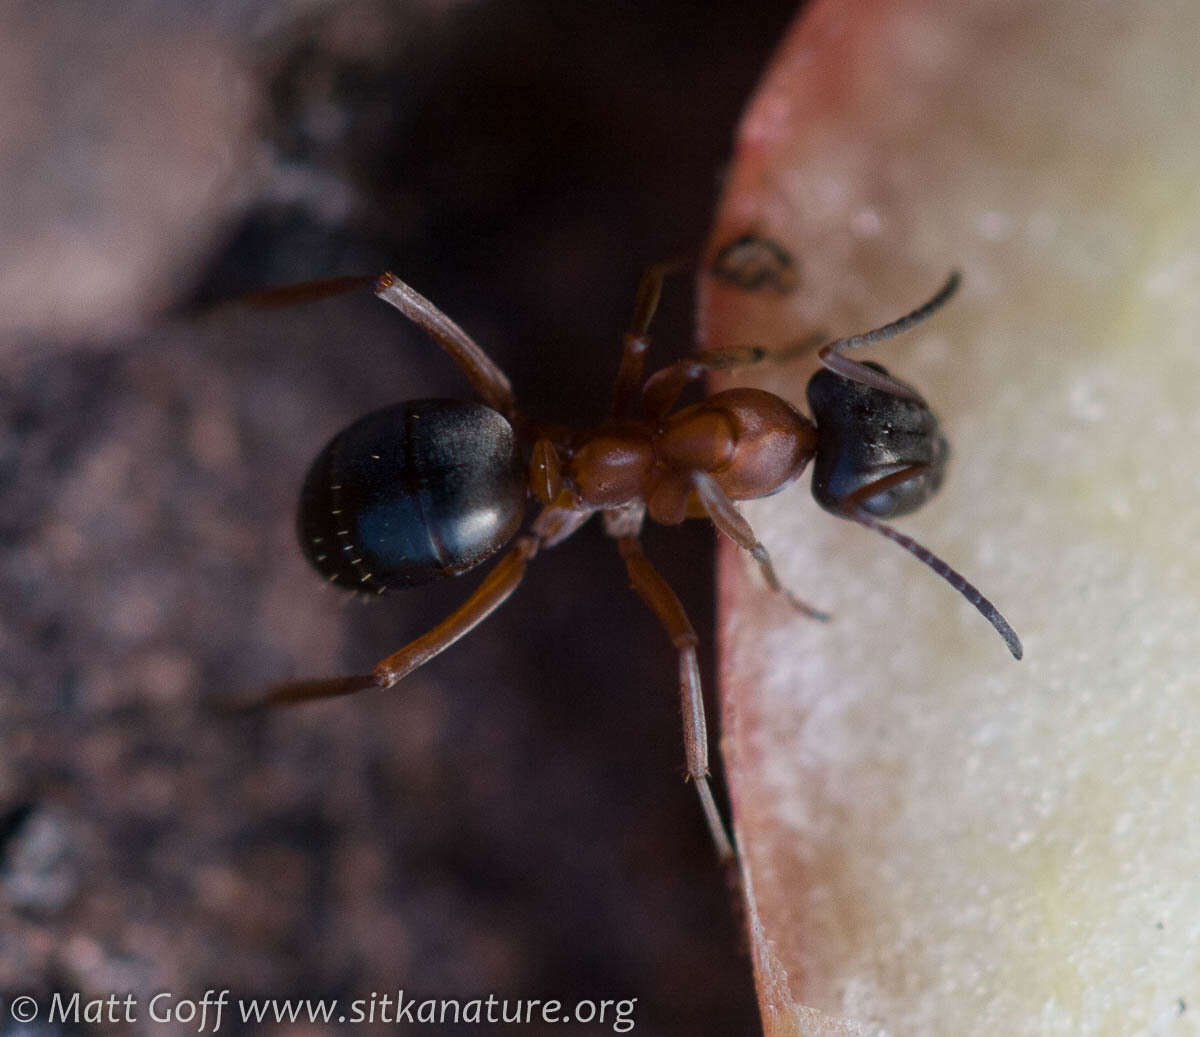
(880,452)
(877,452)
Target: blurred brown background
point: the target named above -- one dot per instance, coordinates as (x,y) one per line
(512,819)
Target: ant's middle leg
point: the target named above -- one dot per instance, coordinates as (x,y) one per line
(637,340)
(663,388)
(662,601)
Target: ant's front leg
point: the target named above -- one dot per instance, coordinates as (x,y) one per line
(662,601)
(733,524)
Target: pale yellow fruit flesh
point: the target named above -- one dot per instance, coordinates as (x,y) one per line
(938,839)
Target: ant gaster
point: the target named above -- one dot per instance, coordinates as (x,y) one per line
(431,488)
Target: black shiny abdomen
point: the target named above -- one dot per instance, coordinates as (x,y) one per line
(411,494)
(865,434)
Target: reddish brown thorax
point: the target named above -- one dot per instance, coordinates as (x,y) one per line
(750,441)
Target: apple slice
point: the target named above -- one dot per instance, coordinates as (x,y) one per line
(935,838)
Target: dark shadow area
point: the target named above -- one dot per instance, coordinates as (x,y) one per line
(512,820)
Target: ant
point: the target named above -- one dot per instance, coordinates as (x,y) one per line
(431,488)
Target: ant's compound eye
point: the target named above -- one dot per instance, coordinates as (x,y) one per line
(909,494)
(866,436)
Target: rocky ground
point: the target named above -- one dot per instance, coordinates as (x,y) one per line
(512,819)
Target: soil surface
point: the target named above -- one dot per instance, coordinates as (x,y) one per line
(512,819)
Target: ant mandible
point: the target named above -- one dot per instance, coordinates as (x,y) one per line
(431,488)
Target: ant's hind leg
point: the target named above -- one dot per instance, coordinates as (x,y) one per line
(657,594)
(485,377)
(730,521)
(552,525)
(496,588)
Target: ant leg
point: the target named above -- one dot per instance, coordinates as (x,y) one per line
(305,291)
(485,377)
(558,522)
(495,590)
(731,522)
(663,388)
(553,525)
(636,340)
(291,692)
(831,354)
(657,594)
(489,595)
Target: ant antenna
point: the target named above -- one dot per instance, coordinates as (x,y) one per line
(831,355)
(967,590)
